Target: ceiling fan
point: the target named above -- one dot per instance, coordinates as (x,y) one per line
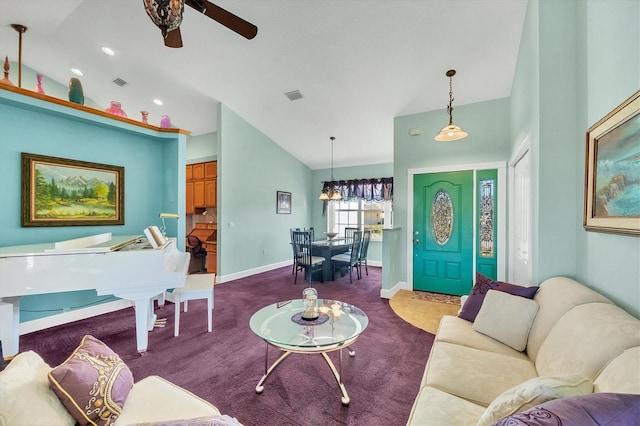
(167,15)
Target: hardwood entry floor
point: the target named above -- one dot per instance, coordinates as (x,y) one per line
(420,312)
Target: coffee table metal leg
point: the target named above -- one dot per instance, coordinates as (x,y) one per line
(268,370)
(338,376)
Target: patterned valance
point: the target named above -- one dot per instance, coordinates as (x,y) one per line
(376,189)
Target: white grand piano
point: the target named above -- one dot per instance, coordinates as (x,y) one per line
(123,266)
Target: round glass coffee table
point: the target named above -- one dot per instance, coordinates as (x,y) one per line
(338,325)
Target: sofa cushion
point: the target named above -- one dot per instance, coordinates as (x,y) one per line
(472,374)
(434,407)
(586,339)
(472,305)
(556,297)
(533,392)
(154,399)
(595,409)
(621,375)
(456,330)
(506,318)
(24,391)
(93,383)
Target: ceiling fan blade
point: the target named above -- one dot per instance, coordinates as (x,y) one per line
(226,18)
(173,38)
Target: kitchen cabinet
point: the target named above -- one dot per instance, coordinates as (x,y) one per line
(207,233)
(201,186)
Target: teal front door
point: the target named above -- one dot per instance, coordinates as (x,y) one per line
(443,232)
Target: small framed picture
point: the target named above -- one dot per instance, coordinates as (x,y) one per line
(283,202)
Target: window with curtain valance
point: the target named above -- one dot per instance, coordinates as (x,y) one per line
(374,189)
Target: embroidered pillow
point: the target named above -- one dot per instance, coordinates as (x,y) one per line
(93,383)
(534,392)
(483,284)
(594,409)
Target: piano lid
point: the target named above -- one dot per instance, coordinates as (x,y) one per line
(100,243)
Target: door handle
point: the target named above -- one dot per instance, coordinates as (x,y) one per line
(416,241)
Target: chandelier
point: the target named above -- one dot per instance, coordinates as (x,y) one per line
(166,14)
(331,193)
(450,132)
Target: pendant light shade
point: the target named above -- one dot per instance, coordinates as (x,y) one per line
(330,193)
(450,132)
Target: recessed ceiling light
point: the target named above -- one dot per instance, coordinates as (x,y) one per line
(76,71)
(108,51)
(157,102)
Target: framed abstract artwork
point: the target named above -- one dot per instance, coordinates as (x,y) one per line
(612,171)
(283,202)
(64,192)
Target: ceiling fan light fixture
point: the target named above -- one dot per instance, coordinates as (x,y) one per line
(450,132)
(165,14)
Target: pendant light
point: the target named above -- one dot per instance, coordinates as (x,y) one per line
(450,132)
(331,193)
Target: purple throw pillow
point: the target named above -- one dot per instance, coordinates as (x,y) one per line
(595,409)
(93,383)
(483,284)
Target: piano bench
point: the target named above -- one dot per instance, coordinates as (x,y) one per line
(197,286)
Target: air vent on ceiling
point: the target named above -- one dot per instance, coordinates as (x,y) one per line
(120,82)
(294,96)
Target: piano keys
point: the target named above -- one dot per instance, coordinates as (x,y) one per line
(124,266)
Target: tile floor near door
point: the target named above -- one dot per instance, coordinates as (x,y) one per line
(423,310)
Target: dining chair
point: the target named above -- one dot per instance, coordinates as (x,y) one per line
(366,237)
(350,258)
(348,233)
(294,265)
(304,258)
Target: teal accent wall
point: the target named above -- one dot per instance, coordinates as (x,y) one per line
(577,61)
(489,138)
(251,168)
(154,177)
(319,222)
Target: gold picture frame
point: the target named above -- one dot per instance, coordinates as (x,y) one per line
(612,175)
(63,192)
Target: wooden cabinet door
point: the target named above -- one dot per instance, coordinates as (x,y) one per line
(189,174)
(198,171)
(189,196)
(198,194)
(211,170)
(210,192)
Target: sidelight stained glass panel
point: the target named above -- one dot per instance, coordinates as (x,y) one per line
(486,217)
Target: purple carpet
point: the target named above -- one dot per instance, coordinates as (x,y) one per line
(224,366)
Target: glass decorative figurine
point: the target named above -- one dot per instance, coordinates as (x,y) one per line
(310,304)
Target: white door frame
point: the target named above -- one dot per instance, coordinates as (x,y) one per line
(501,166)
(523,149)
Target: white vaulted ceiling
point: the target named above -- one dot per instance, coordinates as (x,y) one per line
(358,64)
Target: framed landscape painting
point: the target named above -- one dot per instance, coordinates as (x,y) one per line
(64,192)
(612,171)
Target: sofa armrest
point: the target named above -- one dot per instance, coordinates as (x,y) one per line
(154,399)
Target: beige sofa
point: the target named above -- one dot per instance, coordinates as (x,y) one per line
(575,331)
(27,399)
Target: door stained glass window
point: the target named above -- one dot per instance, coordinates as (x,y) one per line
(441,217)
(486,217)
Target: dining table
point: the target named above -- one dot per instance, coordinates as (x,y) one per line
(328,248)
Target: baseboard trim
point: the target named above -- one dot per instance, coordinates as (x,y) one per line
(75,315)
(388,293)
(249,272)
